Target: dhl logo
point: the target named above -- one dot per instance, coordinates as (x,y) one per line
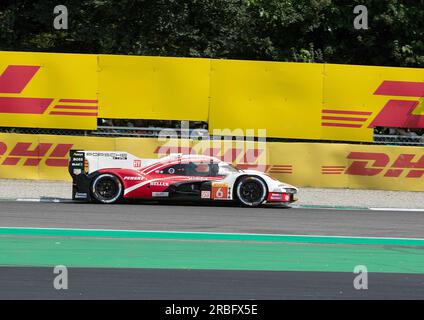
(54,155)
(16,78)
(373,163)
(397,113)
(244,158)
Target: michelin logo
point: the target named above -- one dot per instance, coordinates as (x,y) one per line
(81,195)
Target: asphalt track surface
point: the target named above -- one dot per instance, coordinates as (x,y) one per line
(146,284)
(90,283)
(213,219)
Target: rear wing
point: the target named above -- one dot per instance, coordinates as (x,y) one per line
(86,162)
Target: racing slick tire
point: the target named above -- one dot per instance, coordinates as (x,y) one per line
(107,188)
(251,191)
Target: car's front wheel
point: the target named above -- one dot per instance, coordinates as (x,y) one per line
(107,188)
(251,191)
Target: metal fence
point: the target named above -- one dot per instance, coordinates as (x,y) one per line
(203,133)
(149,132)
(398,140)
(108,131)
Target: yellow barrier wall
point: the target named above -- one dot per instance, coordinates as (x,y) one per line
(309,101)
(289,100)
(153,88)
(350,166)
(283,98)
(302,164)
(361,93)
(47,90)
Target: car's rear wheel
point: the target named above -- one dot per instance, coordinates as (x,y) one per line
(251,191)
(107,188)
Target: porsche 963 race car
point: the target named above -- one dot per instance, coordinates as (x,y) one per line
(109,177)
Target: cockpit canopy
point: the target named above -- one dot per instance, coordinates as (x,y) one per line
(200,168)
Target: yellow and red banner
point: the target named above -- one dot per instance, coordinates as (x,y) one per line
(323,165)
(314,101)
(289,100)
(47,90)
(359,98)
(331,165)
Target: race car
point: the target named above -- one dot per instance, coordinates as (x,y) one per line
(109,177)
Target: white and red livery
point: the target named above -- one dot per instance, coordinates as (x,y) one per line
(108,177)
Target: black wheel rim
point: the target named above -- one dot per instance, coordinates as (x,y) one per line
(251,191)
(106,188)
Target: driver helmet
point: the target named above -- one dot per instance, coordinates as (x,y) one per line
(202,168)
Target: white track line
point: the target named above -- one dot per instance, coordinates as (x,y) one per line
(396,209)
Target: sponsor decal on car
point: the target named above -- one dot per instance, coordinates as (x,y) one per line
(159,184)
(220,191)
(81,195)
(134,178)
(199,178)
(137,164)
(276,196)
(160,194)
(283,197)
(205,194)
(113,155)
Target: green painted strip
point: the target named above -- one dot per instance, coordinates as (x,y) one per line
(217,255)
(134,234)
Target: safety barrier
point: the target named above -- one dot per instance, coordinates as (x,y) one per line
(47,90)
(290,100)
(315,101)
(24,156)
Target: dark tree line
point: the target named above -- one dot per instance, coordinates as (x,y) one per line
(277,30)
